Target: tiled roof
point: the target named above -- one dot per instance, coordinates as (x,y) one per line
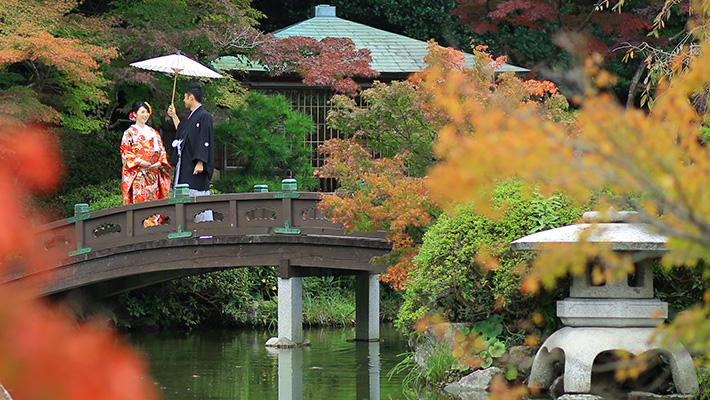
(391,52)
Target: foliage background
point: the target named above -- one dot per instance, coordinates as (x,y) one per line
(465,270)
(61,67)
(237,297)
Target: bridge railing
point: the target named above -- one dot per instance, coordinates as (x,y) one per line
(238,214)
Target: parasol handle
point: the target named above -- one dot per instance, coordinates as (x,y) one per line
(172,101)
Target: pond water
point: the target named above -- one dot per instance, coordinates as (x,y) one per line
(235,364)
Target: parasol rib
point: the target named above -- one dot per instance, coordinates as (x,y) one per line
(179,64)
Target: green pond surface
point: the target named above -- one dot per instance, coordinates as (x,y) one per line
(235,364)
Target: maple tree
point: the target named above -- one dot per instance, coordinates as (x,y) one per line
(377,194)
(531,32)
(44,353)
(656,155)
(202,29)
(636,38)
(328,62)
(660,63)
(385,192)
(465,270)
(599,26)
(396,120)
(50,59)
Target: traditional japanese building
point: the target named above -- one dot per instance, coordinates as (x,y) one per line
(394,56)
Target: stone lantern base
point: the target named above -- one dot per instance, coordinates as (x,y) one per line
(579,346)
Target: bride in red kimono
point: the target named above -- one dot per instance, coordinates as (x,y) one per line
(144,175)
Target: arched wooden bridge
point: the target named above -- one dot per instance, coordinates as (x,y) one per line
(112,250)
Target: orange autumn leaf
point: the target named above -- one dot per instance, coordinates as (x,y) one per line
(84,362)
(500,390)
(44,353)
(377,194)
(530,285)
(34,160)
(532,341)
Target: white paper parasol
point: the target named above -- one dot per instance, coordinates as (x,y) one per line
(179,64)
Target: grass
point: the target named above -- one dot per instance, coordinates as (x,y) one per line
(335,308)
(436,369)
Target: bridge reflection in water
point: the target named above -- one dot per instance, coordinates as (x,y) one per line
(367,381)
(111,251)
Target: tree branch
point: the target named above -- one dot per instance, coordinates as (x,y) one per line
(35,73)
(633,88)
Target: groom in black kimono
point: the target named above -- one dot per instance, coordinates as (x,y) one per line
(194,145)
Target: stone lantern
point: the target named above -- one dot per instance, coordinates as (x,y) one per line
(617,315)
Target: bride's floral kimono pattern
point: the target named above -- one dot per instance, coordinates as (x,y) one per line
(137,184)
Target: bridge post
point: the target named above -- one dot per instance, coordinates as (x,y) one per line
(290,309)
(367,307)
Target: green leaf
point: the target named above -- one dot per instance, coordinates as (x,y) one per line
(496,349)
(510,371)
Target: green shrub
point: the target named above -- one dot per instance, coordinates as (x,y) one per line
(704,383)
(92,173)
(265,281)
(241,296)
(450,276)
(98,196)
(109,201)
(267,315)
(390,303)
(393,120)
(90,159)
(266,138)
(681,287)
(221,298)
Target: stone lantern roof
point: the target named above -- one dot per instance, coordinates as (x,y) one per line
(619,231)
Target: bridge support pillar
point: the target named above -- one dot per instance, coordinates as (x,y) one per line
(290,306)
(367,308)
